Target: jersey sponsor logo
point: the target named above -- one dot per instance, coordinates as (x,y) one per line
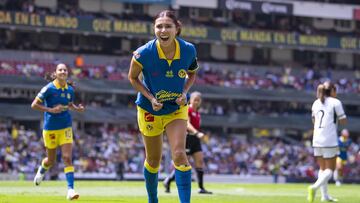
(164,95)
(182,73)
(169,74)
(62,95)
(149,117)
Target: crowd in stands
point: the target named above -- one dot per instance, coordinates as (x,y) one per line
(103,148)
(209,74)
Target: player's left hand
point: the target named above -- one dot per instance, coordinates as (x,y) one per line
(181,101)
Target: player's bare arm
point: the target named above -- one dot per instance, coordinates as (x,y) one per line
(133,77)
(37,105)
(343,121)
(78,108)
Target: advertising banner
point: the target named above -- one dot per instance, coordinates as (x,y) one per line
(254,37)
(257,6)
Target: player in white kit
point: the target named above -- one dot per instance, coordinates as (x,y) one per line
(327,113)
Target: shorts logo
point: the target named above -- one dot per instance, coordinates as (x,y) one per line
(68,134)
(182,73)
(52,136)
(149,117)
(149,127)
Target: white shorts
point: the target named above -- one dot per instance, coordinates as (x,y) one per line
(326,152)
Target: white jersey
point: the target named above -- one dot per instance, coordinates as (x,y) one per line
(326,116)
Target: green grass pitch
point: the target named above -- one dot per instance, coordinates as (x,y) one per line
(134,192)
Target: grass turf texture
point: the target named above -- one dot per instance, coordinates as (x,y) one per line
(134,192)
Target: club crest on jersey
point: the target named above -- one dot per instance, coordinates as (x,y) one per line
(169,74)
(182,73)
(68,96)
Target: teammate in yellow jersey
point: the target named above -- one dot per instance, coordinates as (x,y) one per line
(344,143)
(55,100)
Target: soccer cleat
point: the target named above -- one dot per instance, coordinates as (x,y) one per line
(167,186)
(38,177)
(311,194)
(338,183)
(71,195)
(329,199)
(203,191)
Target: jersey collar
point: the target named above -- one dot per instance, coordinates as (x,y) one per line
(162,55)
(58,86)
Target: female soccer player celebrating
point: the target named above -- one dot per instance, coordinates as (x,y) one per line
(55,100)
(327,111)
(168,67)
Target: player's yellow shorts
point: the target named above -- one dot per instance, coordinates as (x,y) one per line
(340,160)
(152,125)
(55,138)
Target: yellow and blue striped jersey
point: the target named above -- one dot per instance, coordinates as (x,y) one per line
(163,77)
(52,95)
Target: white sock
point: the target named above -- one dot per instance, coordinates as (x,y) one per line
(336,175)
(323,187)
(324,177)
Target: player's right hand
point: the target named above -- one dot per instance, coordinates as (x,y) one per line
(156,105)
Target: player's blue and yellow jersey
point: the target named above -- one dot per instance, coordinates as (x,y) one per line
(343,146)
(52,95)
(164,78)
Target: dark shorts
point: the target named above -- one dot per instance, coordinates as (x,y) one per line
(193,144)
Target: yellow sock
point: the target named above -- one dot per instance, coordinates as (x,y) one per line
(150,168)
(69,169)
(183,168)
